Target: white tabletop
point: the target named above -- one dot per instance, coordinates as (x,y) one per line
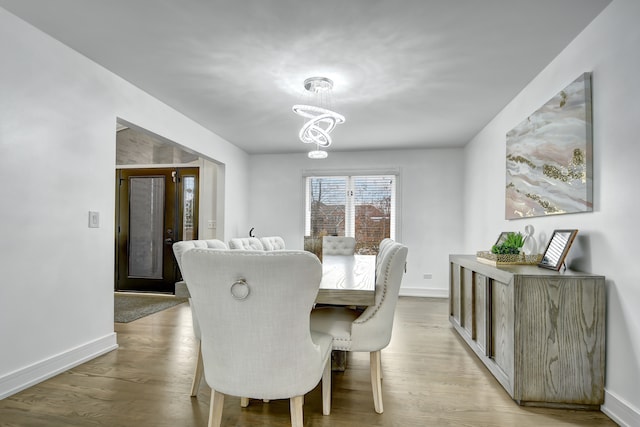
(348,280)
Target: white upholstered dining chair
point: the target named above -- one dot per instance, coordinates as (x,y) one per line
(246,243)
(382,247)
(253,309)
(179,248)
(338,245)
(273,243)
(370,330)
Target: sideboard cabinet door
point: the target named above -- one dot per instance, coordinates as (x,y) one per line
(560,328)
(454,293)
(480,307)
(501,331)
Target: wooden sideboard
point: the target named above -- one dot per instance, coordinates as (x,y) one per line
(541,333)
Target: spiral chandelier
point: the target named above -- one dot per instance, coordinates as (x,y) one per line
(320,120)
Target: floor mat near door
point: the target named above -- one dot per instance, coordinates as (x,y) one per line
(132,306)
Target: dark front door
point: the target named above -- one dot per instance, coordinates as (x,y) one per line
(154,208)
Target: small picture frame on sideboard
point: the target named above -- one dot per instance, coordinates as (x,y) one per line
(557,249)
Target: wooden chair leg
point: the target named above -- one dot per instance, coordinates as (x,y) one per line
(376,384)
(296,411)
(326,388)
(197,375)
(215,408)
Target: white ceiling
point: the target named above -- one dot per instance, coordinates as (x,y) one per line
(407,73)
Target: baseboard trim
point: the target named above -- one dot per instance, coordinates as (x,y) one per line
(33,374)
(424,292)
(620,411)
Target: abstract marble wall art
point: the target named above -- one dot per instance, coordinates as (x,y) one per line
(549,157)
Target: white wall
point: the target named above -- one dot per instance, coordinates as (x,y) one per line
(430,210)
(606,244)
(57,158)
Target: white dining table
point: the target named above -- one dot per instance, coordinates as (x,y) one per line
(346,280)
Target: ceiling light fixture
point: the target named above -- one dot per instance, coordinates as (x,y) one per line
(321,119)
(317,154)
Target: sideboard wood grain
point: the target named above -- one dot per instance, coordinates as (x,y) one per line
(541,333)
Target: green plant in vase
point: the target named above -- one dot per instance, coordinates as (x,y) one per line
(511,245)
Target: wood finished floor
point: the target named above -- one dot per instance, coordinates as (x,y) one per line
(430,379)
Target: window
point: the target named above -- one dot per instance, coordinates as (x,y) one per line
(359,206)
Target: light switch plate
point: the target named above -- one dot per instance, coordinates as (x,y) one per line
(94,219)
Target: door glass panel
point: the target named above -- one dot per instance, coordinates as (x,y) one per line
(374,201)
(188,197)
(146,225)
(357,206)
(326,204)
